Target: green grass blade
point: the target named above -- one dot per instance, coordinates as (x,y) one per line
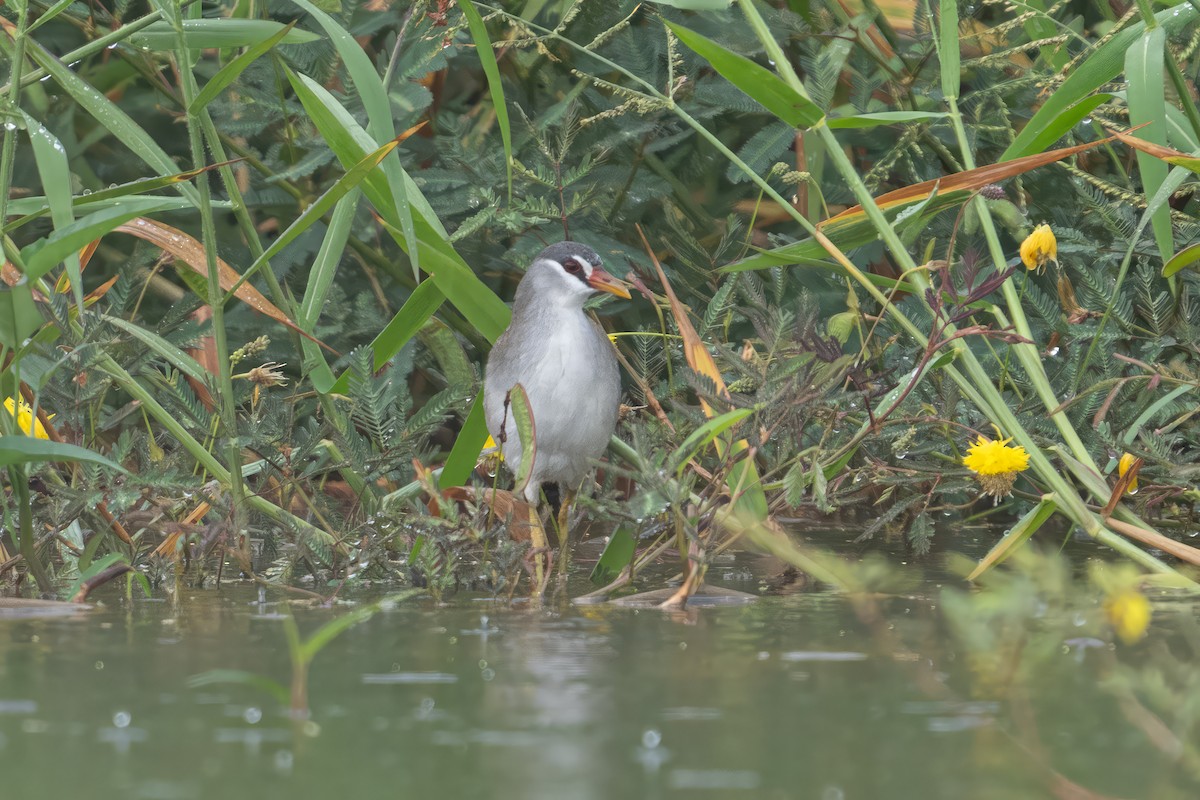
(380,125)
(1101,66)
(1152,409)
(55,172)
(705,434)
(230,72)
(1184,258)
(320,279)
(762,85)
(491,70)
(49,14)
(42,256)
(1147,103)
(164,349)
(112,118)
(216,33)
(28,450)
(522,414)
(425,300)
(34,207)
(948,44)
(262,683)
(353,177)
(454,278)
(1026,527)
(882,118)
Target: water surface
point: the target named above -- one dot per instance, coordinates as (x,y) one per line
(793,696)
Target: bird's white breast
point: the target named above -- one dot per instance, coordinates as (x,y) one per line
(569,372)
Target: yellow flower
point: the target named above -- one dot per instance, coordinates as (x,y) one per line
(996,465)
(491,457)
(1039,247)
(1128,613)
(1123,466)
(26,421)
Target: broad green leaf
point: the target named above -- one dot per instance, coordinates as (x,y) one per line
(1147,104)
(42,256)
(217,32)
(1184,258)
(882,118)
(28,450)
(468,445)
(521,413)
(112,118)
(19,317)
(230,72)
(1101,67)
(55,172)
(1016,536)
(762,85)
(491,70)
(617,555)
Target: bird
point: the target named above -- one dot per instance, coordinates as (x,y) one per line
(567,366)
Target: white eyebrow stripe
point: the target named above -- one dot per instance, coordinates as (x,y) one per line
(587,267)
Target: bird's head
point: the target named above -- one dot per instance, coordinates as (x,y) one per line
(568,273)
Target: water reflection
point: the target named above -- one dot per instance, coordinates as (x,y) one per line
(791,697)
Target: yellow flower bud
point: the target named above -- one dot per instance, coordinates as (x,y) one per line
(1128,613)
(1123,466)
(1039,247)
(26,421)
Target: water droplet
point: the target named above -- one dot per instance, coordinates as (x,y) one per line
(252,715)
(651,739)
(121,719)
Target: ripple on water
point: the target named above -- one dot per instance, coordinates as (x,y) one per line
(408,678)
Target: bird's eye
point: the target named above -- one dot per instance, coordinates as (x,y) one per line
(572,266)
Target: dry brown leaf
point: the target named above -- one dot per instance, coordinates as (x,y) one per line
(972,179)
(191,252)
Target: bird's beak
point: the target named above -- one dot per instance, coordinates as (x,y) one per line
(601,281)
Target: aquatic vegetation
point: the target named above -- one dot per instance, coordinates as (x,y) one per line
(256,295)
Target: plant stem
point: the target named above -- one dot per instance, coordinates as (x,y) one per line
(227,409)
(25,536)
(8,154)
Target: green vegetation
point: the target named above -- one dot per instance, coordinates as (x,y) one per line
(257,253)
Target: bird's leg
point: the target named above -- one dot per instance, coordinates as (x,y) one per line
(566,500)
(564,513)
(537,538)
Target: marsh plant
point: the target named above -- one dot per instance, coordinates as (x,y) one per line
(891,265)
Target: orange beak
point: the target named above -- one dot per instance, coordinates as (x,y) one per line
(601,281)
